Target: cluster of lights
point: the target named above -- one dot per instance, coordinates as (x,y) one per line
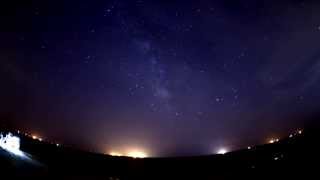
(36,137)
(133,154)
(297,132)
(271,141)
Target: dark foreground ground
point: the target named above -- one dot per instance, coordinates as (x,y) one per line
(291,158)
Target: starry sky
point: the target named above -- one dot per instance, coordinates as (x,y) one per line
(167,77)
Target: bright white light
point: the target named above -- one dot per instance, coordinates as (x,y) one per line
(57,144)
(137,154)
(249,147)
(222,151)
(300,131)
(11,143)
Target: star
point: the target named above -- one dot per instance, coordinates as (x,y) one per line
(136,71)
(219,99)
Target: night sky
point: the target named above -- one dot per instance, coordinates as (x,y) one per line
(165,77)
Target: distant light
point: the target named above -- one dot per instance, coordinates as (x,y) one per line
(115,154)
(249,147)
(11,144)
(222,151)
(300,131)
(57,144)
(36,138)
(137,154)
(290,136)
(271,141)
(276,158)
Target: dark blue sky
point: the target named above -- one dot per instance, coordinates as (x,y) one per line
(167,77)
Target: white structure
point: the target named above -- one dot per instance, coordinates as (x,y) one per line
(11,144)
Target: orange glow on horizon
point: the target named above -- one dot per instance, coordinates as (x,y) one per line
(132,153)
(115,154)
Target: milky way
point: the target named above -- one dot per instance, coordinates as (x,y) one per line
(171,78)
